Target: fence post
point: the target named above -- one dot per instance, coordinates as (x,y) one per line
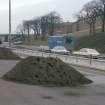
(90,59)
(49,54)
(66,58)
(35,53)
(56,56)
(76,59)
(42,54)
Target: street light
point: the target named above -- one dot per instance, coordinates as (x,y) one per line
(104,16)
(9,23)
(103,3)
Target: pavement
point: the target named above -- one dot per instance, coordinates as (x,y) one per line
(21,94)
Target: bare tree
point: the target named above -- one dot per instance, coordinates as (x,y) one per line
(53,20)
(49,22)
(21,31)
(44,25)
(84,16)
(26,25)
(91,11)
(79,16)
(90,14)
(101,9)
(35,25)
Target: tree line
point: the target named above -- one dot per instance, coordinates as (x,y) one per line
(90,12)
(40,26)
(46,24)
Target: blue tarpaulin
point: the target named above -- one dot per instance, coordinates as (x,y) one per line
(67,40)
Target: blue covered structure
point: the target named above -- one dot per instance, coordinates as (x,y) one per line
(70,41)
(67,40)
(54,41)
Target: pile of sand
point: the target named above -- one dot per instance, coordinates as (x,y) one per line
(46,72)
(7,54)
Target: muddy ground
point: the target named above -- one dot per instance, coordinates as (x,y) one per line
(21,94)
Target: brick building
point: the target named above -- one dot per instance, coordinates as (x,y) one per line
(64,28)
(77,26)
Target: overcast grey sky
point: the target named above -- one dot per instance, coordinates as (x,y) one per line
(28,9)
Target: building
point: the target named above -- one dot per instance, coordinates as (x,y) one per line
(64,28)
(78,26)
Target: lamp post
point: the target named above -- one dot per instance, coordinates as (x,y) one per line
(104,15)
(9,23)
(103,28)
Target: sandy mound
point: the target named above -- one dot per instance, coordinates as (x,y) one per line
(46,72)
(7,54)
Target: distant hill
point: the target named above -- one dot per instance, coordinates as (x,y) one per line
(96,41)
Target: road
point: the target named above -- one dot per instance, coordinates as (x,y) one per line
(80,61)
(20,94)
(97,76)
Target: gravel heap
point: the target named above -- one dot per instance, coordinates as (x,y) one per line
(7,54)
(45,72)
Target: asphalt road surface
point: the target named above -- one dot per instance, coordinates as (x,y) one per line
(81,61)
(20,94)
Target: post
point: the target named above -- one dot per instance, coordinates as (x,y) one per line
(103,25)
(91,59)
(76,58)
(104,17)
(9,23)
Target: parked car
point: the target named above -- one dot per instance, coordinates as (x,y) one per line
(44,49)
(60,50)
(17,42)
(87,52)
(101,56)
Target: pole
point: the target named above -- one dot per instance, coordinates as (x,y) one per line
(104,18)
(9,23)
